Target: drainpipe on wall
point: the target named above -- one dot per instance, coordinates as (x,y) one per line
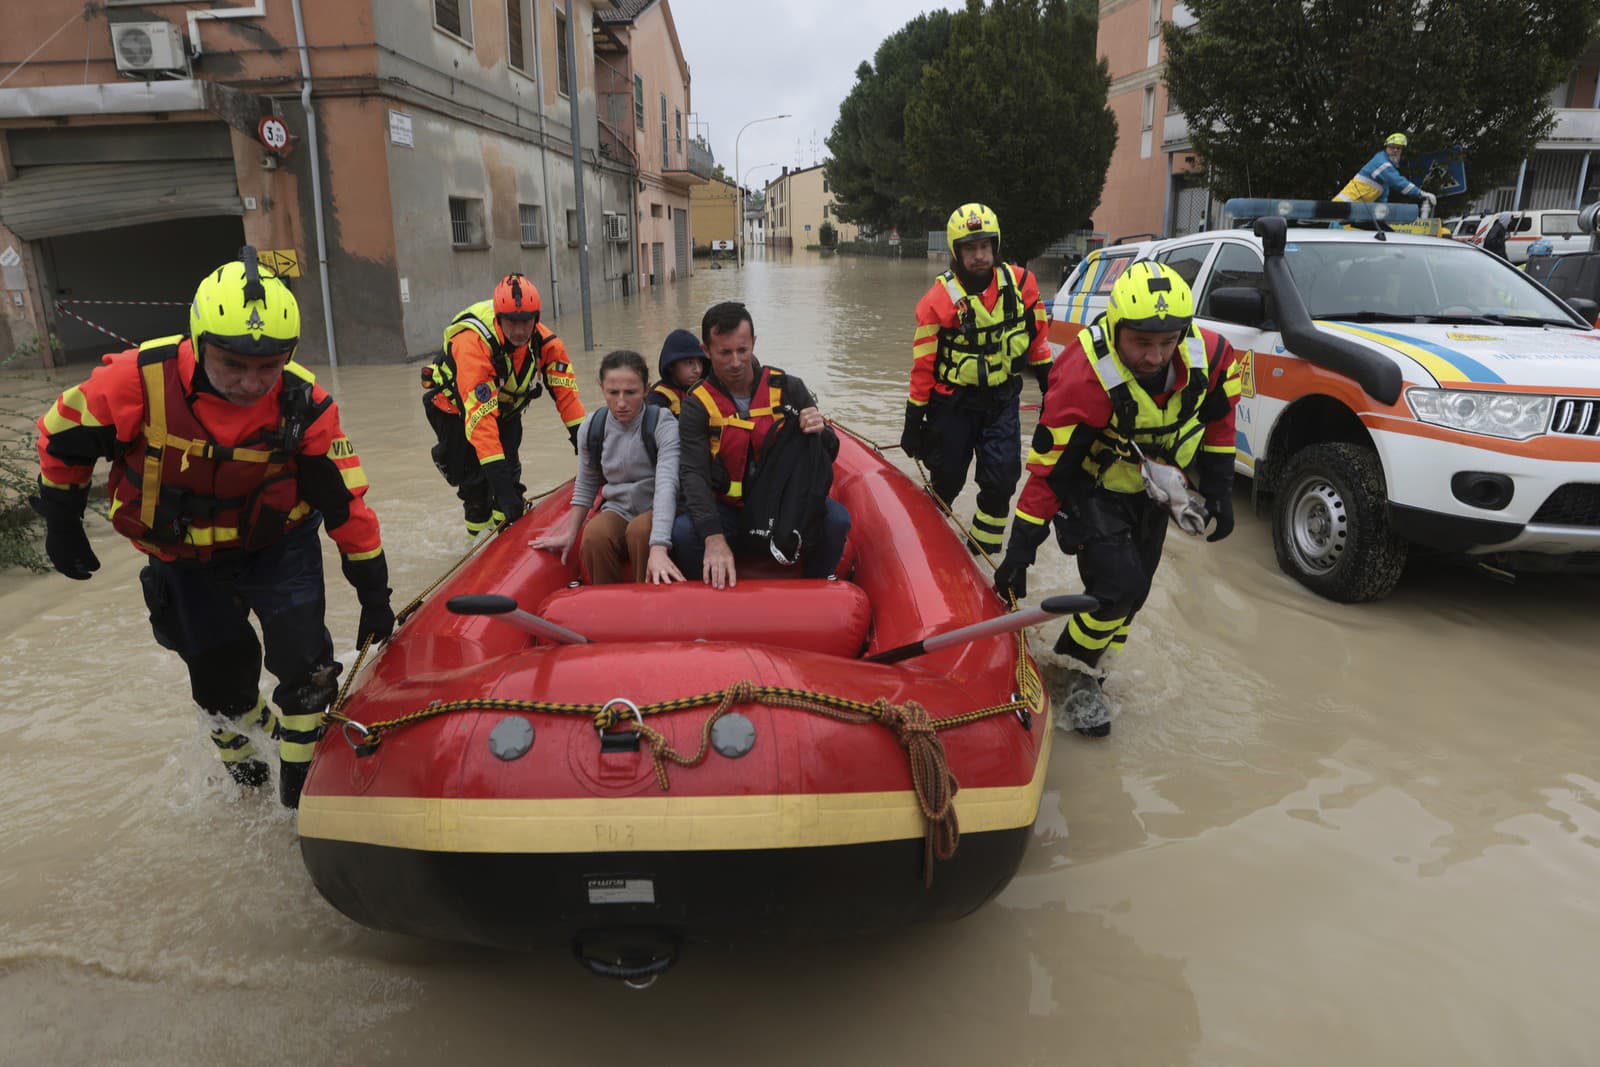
(571,45)
(1516,200)
(316,182)
(544,169)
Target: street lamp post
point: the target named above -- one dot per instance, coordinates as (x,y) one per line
(739,253)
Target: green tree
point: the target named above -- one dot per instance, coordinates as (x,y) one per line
(1014,115)
(867,165)
(1289,98)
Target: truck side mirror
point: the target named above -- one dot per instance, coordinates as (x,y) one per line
(1241,305)
(1587,309)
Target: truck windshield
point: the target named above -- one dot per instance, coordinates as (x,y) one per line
(1416,282)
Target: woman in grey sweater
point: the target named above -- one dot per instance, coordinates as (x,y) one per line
(633,530)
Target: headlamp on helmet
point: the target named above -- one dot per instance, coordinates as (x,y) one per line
(246,309)
(516,298)
(1151,298)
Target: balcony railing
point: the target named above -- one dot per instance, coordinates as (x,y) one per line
(618,145)
(1576,127)
(695,169)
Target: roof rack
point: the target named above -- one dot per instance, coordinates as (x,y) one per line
(1315,211)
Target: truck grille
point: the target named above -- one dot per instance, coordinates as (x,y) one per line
(1577,416)
(1574,504)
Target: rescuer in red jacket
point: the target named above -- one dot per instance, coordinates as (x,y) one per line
(225,458)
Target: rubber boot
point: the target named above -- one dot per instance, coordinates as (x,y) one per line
(249,772)
(1085,707)
(291,779)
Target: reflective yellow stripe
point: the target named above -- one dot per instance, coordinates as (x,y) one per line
(1086,638)
(73,399)
(295,752)
(357,557)
(1025,517)
(735,489)
(1062,434)
(478,413)
(57,485)
(354,477)
(1217,448)
(155,436)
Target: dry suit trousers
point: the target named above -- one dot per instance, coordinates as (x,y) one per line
(202,612)
(457,460)
(983,427)
(1118,538)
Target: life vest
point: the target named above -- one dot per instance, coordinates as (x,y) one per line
(595,440)
(666,396)
(179,494)
(987,346)
(737,441)
(1170,432)
(515,390)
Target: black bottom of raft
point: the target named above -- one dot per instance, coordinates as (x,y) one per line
(527,901)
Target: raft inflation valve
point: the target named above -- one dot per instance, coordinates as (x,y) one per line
(733,735)
(511,738)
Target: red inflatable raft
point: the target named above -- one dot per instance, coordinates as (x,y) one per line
(712,765)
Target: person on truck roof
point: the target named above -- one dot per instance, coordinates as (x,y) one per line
(1381,176)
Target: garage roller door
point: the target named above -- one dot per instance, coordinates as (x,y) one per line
(55,201)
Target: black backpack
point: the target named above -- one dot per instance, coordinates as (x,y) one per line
(787,493)
(595,441)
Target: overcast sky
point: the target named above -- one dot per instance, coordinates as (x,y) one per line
(752,58)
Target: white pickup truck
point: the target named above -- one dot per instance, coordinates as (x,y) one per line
(1399,391)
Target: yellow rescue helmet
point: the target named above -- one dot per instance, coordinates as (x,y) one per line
(245,308)
(971,221)
(1150,297)
(1395,139)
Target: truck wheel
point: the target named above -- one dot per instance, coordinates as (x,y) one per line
(1330,524)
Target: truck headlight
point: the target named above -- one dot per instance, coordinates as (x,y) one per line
(1517,416)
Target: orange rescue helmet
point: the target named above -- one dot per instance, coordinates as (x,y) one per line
(516,298)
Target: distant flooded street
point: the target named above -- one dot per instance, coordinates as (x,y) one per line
(1319,834)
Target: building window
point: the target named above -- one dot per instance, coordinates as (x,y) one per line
(665,144)
(563,68)
(454,16)
(466,223)
(638,101)
(1155,18)
(677,124)
(572,227)
(1147,116)
(532,219)
(516,42)
(656,211)
(825,186)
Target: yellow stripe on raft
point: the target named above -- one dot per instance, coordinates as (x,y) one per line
(661,823)
(1437,365)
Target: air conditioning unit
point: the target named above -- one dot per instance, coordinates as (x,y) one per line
(148,47)
(616,227)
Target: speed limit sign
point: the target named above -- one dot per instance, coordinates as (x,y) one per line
(274,134)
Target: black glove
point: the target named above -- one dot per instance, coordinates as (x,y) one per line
(1011,578)
(507,495)
(1215,476)
(572,433)
(1221,509)
(370,579)
(65,541)
(914,435)
(1041,374)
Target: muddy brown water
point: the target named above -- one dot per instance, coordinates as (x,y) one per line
(1319,834)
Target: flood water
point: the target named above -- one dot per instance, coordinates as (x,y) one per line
(1319,834)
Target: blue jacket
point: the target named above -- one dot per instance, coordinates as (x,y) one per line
(1387,177)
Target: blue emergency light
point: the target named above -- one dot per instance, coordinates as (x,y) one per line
(1320,210)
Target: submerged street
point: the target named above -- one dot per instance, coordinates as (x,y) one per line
(1318,834)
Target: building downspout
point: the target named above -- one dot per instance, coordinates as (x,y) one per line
(544,168)
(1522,173)
(316,181)
(571,45)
